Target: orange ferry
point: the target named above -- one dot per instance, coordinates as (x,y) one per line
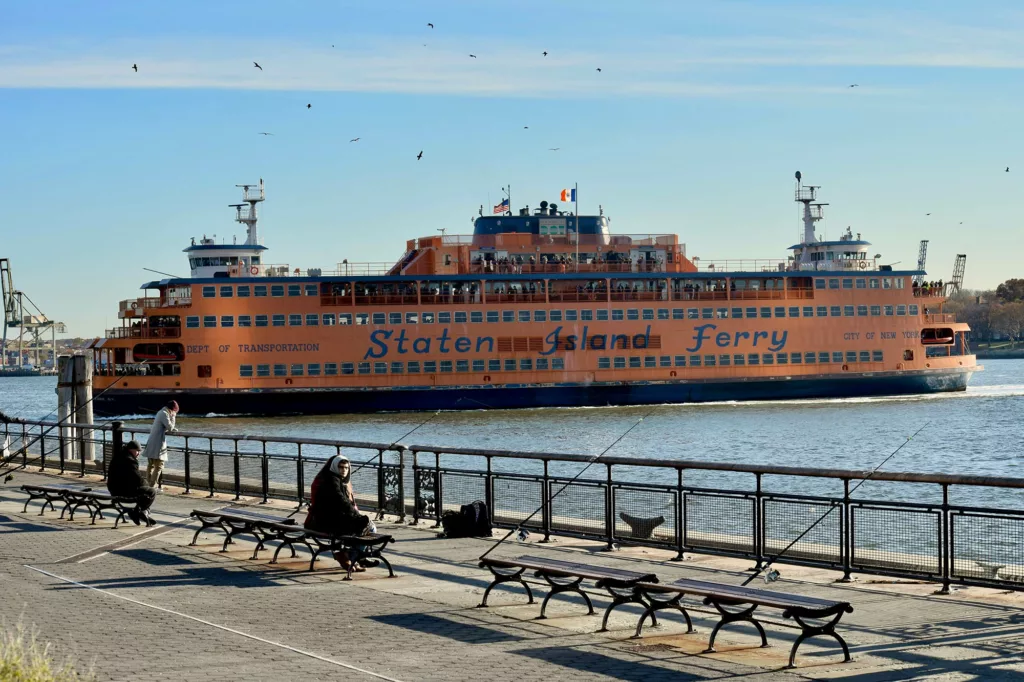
(543,308)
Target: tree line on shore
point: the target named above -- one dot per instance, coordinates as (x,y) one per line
(994,315)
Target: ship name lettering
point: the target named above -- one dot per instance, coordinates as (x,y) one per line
(197,349)
(776,340)
(888,335)
(851,336)
(911,334)
(277,347)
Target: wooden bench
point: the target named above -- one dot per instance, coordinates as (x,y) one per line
(50,494)
(745,600)
(566,576)
(238,521)
(97,502)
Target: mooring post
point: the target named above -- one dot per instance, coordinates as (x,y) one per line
(83,408)
(65,404)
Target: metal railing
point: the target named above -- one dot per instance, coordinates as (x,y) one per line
(725,509)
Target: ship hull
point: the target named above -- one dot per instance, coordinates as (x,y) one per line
(323,401)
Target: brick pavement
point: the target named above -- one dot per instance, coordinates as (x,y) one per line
(194,613)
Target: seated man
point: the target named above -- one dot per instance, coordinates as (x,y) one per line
(125,480)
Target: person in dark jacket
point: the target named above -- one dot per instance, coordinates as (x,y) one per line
(332,506)
(125,480)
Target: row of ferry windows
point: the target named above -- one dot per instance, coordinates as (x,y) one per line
(530,364)
(331,319)
(280,290)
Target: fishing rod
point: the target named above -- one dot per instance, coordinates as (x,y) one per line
(772,576)
(590,463)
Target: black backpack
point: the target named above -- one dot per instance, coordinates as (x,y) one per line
(472,521)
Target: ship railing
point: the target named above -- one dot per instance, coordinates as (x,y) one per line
(386,299)
(930,291)
(943,528)
(853,264)
(143,332)
(141,304)
(498,268)
(367,269)
(743,265)
(939,318)
(512,240)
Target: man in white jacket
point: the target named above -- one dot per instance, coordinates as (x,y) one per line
(156,446)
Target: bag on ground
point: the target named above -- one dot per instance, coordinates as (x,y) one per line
(472,521)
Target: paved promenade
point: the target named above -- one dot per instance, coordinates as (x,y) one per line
(140,605)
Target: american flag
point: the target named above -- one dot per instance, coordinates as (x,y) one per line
(502,207)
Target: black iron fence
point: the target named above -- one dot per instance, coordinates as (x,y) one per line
(660,503)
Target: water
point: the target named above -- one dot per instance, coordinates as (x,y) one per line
(974,432)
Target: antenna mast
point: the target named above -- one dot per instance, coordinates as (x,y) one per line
(922,256)
(246,214)
(807,195)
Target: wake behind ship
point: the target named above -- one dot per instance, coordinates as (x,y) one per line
(543,308)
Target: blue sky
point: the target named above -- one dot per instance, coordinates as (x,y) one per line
(700,116)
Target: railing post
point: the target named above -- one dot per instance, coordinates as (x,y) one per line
(489,489)
(609,509)
(416,495)
(679,517)
(81,451)
(401,483)
(188,467)
(209,469)
(300,477)
(265,474)
(545,512)
(382,497)
(62,445)
(438,490)
(845,536)
(238,473)
(945,557)
(758,525)
(42,449)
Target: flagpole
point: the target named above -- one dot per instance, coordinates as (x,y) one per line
(576,210)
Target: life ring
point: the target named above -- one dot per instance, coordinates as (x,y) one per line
(846,368)
(135,305)
(254,270)
(863,265)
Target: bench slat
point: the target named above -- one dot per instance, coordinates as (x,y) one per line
(779,600)
(571,569)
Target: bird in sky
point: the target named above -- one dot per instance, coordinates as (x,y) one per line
(419,156)
(526,127)
(354,139)
(473,56)
(266,133)
(855,85)
(553,149)
(1007,169)
(135,67)
(257,66)
(927,213)
(309,106)
(545,53)
(430,24)
(599,70)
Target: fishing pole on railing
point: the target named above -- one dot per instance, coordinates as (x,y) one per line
(773,574)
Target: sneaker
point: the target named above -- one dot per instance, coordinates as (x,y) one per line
(133,514)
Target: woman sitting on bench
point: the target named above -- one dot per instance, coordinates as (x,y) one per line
(332,508)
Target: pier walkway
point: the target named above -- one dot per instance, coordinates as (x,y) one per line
(140,604)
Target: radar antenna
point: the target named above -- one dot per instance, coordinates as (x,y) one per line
(246,212)
(922,256)
(812,213)
(958,274)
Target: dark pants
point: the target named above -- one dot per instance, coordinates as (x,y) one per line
(145,497)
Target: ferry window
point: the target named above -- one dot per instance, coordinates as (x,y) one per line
(876,310)
(297,370)
(429,367)
(620,362)
(295,320)
(294,289)
(524,364)
(428,318)
(835,310)
(396,367)
(648,313)
(737,312)
(692,314)
(819,283)
(508,316)
(345,318)
(538,315)
(311,290)
(751,312)
(632,314)
(280,370)
(888,311)
(680,361)
(243,291)
(851,356)
(707,313)
(824,357)
(602,314)
(873,283)
(847,311)
(887,283)
(795,358)
(378,318)
(510,365)
(263,370)
(444,318)
(475,316)
(865,356)
(329,319)
(767,359)
(524,315)
(901,310)
(837,356)
(557,363)
(847,283)
(192,322)
(313,369)
(723,360)
(260,290)
(348,368)
(794,311)
(209,320)
(394,318)
(862,283)
(634,362)
(665,361)
(913,309)
(277,320)
(414,367)
(460,365)
(876,355)
(766,312)
(460,317)
(808,311)
(662,313)
(833,283)
(555,316)
(604,363)
(753,359)
(382,367)
(650,362)
(722,313)
(899,282)
(782,359)
(331,369)
(780,311)
(617,315)
(227,291)
(245,370)
(277,290)
(862,311)
(677,314)
(739,359)
(822,311)
(494,365)
(209,292)
(586,315)
(809,358)
(492,315)
(709,360)
(362,318)
(694,361)
(312,319)
(245,320)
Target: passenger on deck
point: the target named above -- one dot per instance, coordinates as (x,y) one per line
(125,480)
(333,508)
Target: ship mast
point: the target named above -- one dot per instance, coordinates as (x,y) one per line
(807,195)
(247,214)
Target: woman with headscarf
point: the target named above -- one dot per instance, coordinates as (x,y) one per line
(332,507)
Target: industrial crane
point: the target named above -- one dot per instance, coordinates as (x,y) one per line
(31,326)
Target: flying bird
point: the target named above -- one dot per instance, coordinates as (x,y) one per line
(419,156)
(599,70)
(545,53)
(526,127)
(430,25)
(135,67)
(855,85)
(309,106)
(257,66)
(473,56)
(354,139)
(927,213)
(266,133)
(1007,169)
(553,149)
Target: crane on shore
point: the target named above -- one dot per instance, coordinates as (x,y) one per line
(31,326)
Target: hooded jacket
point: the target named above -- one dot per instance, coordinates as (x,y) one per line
(156,446)
(123,476)
(330,508)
